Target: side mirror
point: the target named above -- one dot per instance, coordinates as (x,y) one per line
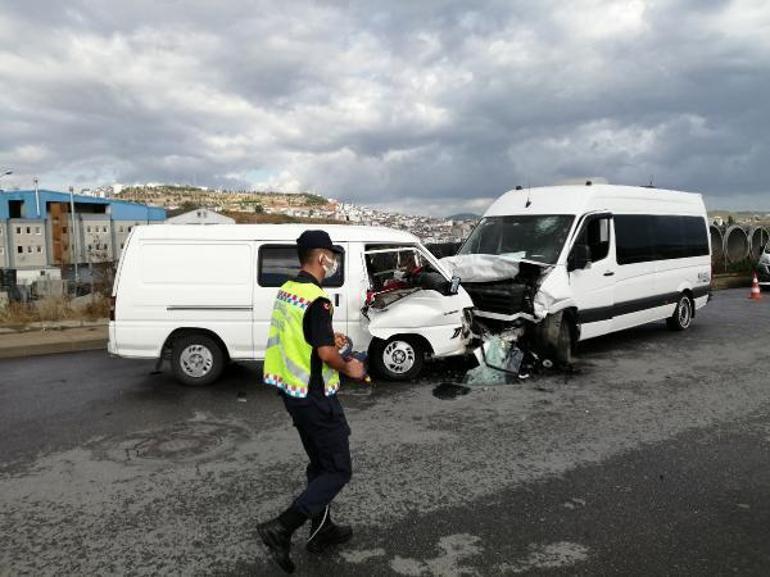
(455,286)
(579,258)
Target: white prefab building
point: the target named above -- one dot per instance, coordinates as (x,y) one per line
(200,216)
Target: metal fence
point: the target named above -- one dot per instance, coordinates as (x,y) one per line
(53,292)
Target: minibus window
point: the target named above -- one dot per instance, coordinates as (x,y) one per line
(596,234)
(535,237)
(279,263)
(644,238)
(635,238)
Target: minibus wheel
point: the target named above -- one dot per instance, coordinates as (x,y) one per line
(399,358)
(565,344)
(196,359)
(682,317)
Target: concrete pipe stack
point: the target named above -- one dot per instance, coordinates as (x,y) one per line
(736,244)
(758,237)
(717,243)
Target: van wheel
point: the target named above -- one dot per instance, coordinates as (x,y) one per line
(682,317)
(554,338)
(564,344)
(398,358)
(197,360)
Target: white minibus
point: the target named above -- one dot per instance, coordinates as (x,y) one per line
(587,260)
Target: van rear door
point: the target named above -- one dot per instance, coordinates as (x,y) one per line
(195,284)
(277,263)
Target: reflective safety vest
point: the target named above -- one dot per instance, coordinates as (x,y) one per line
(288,354)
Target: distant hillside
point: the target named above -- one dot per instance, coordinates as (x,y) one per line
(171,196)
(464,216)
(252,218)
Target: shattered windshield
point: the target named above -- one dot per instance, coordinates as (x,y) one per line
(534,237)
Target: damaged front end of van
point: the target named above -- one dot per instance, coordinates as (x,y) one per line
(512,268)
(414,310)
(519,304)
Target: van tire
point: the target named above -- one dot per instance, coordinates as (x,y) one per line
(196,360)
(683,314)
(555,338)
(399,358)
(565,343)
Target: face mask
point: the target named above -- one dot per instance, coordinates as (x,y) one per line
(330,266)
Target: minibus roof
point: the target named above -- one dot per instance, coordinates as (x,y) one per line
(272,232)
(577,200)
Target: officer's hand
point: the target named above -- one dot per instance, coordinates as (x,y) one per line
(340,340)
(355,369)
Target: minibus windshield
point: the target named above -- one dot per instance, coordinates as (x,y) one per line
(534,237)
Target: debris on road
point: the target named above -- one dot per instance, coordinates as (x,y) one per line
(447,391)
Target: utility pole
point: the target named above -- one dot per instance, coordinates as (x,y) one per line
(37,197)
(75,242)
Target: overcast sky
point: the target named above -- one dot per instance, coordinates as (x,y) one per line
(429,107)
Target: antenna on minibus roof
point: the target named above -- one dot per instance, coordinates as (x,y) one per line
(529,200)
(652,182)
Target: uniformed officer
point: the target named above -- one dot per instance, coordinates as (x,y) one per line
(303,362)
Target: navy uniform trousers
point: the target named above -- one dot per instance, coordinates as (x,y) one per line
(324,433)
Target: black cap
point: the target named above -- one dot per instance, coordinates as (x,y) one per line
(311,239)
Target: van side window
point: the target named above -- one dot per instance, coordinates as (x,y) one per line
(279,263)
(644,238)
(634,235)
(696,235)
(596,234)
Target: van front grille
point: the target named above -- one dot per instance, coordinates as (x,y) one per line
(505,298)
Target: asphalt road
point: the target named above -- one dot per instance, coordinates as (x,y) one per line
(653,460)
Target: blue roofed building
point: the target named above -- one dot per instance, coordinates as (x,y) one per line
(39,230)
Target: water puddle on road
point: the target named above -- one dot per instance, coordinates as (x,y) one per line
(449,391)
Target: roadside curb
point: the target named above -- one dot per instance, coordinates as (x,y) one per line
(42,327)
(94,344)
(51,340)
(730,281)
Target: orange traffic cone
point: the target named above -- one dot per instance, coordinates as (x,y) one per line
(756,294)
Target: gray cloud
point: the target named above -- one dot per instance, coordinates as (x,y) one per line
(427,106)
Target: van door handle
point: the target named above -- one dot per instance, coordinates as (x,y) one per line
(609,273)
(337,299)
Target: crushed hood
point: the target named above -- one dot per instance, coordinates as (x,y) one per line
(474,268)
(418,309)
(482,267)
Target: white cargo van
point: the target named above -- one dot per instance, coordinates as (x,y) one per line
(203,295)
(569,263)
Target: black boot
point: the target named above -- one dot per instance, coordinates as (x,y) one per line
(276,535)
(324,533)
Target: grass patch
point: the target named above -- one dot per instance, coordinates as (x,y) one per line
(55,309)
